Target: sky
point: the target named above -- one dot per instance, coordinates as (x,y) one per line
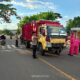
(67,8)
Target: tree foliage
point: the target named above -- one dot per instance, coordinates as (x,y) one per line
(6,11)
(73,23)
(41,16)
(7,32)
(1,31)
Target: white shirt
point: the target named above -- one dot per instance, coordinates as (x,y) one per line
(34,40)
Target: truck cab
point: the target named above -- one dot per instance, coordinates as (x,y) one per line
(51,37)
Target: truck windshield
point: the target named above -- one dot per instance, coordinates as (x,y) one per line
(53,30)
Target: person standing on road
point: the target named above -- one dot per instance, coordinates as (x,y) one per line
(76,45)
(72,39)
(21,39)
(16,40)
(10,36)
(34,44)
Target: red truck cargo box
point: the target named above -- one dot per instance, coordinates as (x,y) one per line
(28,28)
(47,22)
(27,32)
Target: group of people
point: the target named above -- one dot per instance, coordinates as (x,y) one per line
(74,44)
(3,38)
(73,50)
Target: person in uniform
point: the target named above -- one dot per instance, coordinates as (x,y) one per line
(34,44)
(74,45)
(16,40)
(72,39)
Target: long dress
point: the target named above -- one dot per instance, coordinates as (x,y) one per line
(72,39)
(76,46)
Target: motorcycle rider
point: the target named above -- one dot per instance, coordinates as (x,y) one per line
(3,38)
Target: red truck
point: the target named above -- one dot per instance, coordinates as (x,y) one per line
(53,39)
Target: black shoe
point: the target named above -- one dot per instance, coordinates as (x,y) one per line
(34,57)
(70,55)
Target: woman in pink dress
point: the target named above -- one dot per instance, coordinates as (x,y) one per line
(72,39)
(76,46)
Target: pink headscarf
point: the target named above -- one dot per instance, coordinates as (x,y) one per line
(72,38)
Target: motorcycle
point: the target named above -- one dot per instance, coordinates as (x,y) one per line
(2,42)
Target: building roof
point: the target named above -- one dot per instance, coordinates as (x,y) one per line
(75,29)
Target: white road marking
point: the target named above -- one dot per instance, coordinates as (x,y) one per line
(9,46)
(13,46)
(57,69)
(3,47)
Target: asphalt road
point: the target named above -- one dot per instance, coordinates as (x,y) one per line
(18,64)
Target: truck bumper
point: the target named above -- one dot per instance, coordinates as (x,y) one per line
(55,47)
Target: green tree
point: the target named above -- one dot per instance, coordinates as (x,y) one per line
(73,23)
(1,31)
(23,21)
(43,15)
(6,11)
(49,15)
(7,32)
(69,25)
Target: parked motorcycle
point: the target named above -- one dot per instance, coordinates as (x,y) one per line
(3,42)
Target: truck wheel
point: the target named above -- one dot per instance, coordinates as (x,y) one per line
(27,44)
(58,51)
(41,50)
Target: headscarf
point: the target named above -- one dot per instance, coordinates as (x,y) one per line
(72,38)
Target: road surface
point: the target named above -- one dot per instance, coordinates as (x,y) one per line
(18,64)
